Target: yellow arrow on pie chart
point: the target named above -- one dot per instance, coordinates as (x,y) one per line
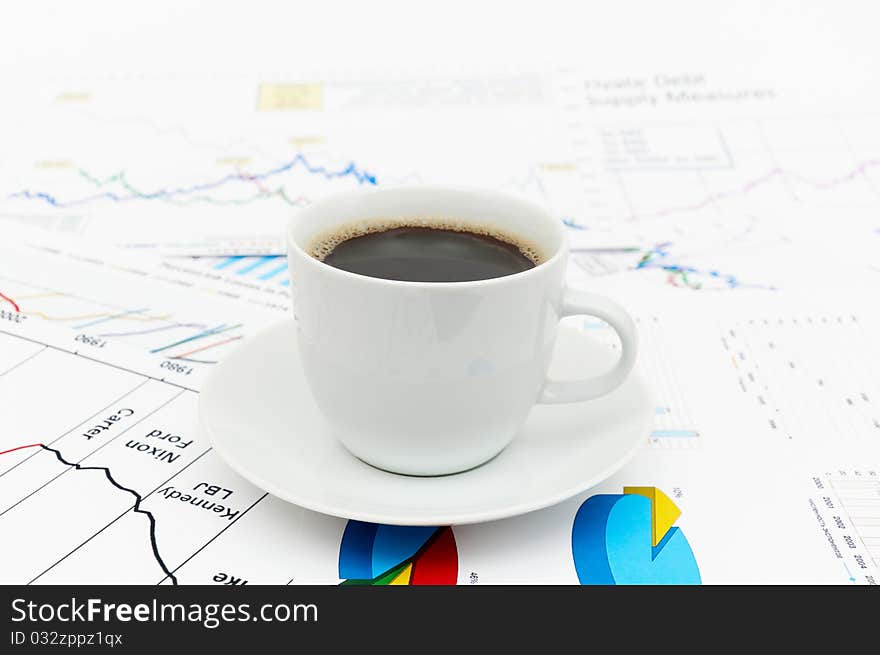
(403,577)
(664,513)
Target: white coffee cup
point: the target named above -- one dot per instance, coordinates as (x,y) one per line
(430,378)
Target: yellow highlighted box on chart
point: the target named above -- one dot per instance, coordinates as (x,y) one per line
(306,95)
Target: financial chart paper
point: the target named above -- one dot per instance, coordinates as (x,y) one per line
(738,226)
(207,165)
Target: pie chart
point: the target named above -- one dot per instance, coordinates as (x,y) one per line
(630,538)
(375,554)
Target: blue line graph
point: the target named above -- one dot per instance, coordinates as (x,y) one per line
(98,321)
(206,333)
(570,222)
(171,326)
(351,170)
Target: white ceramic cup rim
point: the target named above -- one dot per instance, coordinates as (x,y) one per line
(324,206)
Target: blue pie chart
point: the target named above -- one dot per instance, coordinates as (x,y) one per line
(628,539)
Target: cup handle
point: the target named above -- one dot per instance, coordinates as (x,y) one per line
(582,302)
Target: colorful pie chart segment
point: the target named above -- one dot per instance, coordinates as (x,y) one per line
(630,538)
(374,554)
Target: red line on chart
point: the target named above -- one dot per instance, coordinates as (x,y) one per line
(211,345)
(201,335)
(12,450)
(253,179)
(14,304)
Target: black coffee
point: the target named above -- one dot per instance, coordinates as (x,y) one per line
(426,254)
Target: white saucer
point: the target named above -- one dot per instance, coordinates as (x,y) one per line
(263,422)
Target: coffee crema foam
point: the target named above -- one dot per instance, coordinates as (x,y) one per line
(325,243)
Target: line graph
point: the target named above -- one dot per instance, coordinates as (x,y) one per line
(263,193)
(201,335)
(177,130)
(690,277)
(61,318)
(93,319)
(709,201)
(110,317)
(299,161)
(857,171)
(79,527)
(186,355)
(102,300)
(136,145)
(187,194)
(161,328)
(136,508)
(138,499)
(10,301)
(664,258)
(30,445)
(723,200)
